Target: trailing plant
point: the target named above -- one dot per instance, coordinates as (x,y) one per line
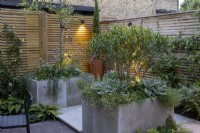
(39,112)
(53,89)
(13,51)
(11,106)
(53,73)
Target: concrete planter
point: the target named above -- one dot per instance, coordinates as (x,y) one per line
(124,119)
(69,95)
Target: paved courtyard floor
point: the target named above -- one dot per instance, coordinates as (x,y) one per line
(42,127)
(72,116)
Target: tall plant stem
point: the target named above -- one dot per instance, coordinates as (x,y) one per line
(61,42)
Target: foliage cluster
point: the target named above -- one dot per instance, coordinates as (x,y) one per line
(13,51)
(85,80)
(11,106)
(37,112)
(190,96)
(49,71)
(169,127)
(112,91)
(168,64)
(128,47)
(9,85)
(190,5)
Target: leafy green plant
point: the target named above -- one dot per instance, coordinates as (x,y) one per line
(49,71)
(168,64)
(166,67)
(85,80)
(171,99)
(189,99)
(190,5)
(127,47)
(112,92)
(5,81)
(169,127)
(11,106)
(153,87)
(19,87)
(38,112)
(53,73)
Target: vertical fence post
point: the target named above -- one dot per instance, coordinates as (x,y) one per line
(43,36)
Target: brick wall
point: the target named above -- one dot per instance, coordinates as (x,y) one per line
(121,9)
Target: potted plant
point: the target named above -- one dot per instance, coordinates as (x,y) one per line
(121,102)
(94,48)
(57,84)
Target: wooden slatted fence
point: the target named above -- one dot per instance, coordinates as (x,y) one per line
(28,28)
(40,33)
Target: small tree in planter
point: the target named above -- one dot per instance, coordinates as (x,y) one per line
(49,87)
(127,47)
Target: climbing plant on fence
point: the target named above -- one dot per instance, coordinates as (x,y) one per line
(184,54)
(13,51)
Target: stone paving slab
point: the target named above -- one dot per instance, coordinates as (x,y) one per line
(72,116)
(187,123)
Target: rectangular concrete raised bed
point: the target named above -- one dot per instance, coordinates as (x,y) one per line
(69,95)
(125,119)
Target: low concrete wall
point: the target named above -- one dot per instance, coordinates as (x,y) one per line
(69,95)
(125,119)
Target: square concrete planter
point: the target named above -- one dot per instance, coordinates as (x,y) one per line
(69,95)
(124,119)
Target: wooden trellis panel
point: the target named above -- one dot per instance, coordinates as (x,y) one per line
(28,28)
(75,39)
(185,23)
(41,33)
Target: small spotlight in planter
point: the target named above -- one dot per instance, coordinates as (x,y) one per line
(82,21)
(130,23)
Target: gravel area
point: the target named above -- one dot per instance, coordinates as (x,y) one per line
(42,127)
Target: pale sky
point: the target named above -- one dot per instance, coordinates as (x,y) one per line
(180,1)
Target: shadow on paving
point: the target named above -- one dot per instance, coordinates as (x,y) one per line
(42,127)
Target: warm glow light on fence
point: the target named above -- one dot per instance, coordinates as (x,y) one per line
(82,28)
